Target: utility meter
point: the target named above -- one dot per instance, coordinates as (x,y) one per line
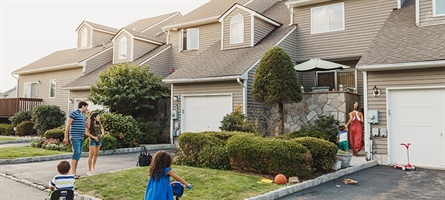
(372,116)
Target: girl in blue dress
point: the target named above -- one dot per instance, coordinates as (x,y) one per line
(159,187)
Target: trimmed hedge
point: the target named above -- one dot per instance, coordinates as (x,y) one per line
(324,153)
(56,133)
(269,156)
(191,145)
(214,157)
(25,128)
(6,129)
(224,136)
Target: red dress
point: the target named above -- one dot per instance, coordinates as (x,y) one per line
(356,133)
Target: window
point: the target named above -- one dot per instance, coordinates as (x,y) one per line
(327,18)
(84,38)
(30,90)
(438,8)
(333,79)
(122,48)
(52,88)
(237,29)
(189,39)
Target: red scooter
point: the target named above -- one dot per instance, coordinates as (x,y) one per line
(407,166)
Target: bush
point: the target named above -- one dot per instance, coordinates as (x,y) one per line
(6,129)
(324,153)
(37,143)
(108,143)
(19,117)
(214,157)
(150,132)
(47,117)
(56,133)
(224,136)
(25,128)
(124,128)
(236,121)
(191,145)
(269,156)
(327,125)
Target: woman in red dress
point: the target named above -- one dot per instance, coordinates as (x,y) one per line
(355,130)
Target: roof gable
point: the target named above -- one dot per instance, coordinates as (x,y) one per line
(139,36)
(251,12)
(98,27)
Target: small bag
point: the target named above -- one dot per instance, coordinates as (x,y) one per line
(144,157)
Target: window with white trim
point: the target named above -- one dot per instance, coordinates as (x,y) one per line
(438,8)
(237,29)
(192,38)
(122,53)
(328,18)
(84,38)
(52,88)
(30,90)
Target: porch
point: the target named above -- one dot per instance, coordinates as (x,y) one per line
(10,106)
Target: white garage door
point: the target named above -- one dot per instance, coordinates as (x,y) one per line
(417,116)
(204,113)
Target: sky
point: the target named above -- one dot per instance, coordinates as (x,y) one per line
(33,29)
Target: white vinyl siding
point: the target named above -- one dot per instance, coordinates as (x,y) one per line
(237,29)
(52,88)
(192,38)
(122,48)
(328,18)
(438,8)
(30,90)
(84,38)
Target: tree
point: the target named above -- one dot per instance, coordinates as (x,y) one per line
(129,90)
(275,82)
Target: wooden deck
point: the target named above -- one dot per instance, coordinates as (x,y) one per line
(10,106)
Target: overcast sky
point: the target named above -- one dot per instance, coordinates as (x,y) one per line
(33,29)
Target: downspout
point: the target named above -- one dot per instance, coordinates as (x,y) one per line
(171,112)
(244,94)
(17,90)
(417,13)
(368,150)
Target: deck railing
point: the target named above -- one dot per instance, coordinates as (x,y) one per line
(10,106)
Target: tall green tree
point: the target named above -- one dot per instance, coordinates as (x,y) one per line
(127,89)
(275,82)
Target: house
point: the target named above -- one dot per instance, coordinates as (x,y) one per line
(11,93)
(406,64)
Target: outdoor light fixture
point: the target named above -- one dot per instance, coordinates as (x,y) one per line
(375,91)
(176,98)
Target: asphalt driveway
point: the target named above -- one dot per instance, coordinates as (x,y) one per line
(380,182)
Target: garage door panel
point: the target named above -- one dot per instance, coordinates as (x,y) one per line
(415,116)
(418,97)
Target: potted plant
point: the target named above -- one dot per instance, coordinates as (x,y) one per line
(344,157)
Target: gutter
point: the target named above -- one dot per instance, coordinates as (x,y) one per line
(57,67)
(304,2)
(76,88)
(197,80)
(399,66)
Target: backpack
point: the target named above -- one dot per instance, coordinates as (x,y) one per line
(178,189)
(144,158)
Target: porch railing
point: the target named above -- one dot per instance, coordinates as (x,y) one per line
(10,106)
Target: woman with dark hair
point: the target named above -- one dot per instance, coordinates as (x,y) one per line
(95,131)
(355,130)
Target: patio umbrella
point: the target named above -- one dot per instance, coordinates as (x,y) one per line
(317,63)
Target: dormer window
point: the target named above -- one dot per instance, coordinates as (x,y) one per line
(84,38)
(438,8)
(237,29)
(328,18)
(122,53)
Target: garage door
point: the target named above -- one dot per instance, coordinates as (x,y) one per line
(204,113)
(417,117)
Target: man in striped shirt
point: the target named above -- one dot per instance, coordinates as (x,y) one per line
(75,130)
(63,180)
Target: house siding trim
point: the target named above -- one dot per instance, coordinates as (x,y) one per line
(197,80)
(142,63)
(52,68)
(399,66)
(192,23)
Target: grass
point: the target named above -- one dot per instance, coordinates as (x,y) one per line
(207,184)
(20,152)
(7,138)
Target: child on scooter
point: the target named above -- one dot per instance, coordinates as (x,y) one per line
(63,180)
(342,139)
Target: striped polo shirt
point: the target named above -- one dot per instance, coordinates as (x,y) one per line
(63,182)
(77,129)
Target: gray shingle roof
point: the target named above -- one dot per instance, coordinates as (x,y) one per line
(102,27)
(217,63)
(401,41)
(143,24)
(87,79)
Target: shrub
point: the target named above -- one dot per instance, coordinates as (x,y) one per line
(25,128)
(124,128)
(19,117)
(224,136)
(327,125)
(47,117)
(214,157)
(37,143)
(324,153)
(56,133)
(6,129)
(269,156)
(236,121)
(191,145)
(108,143)
(150,132)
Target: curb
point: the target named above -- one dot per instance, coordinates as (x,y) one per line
(85,154)
(26,140)
(313,182)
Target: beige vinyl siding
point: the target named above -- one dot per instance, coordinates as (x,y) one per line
(80,95)
(116,48)
(363,19)
(247,29)
(224,87)
(426,14)
(62,78)
(79,36)
(288,44)
(98,60)
(261,5)
(161,64)
(262,29)
(399,78)
(100,38)
(209,34)
(141,47)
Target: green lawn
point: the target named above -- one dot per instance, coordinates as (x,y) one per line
(19,152)
(207,184)
(7,138)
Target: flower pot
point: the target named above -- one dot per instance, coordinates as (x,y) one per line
(337,165)
(345,159)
